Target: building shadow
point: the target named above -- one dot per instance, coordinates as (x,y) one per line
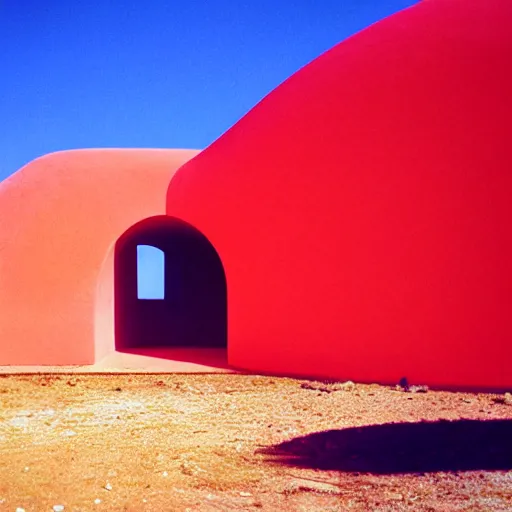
(210,357)
(461,445)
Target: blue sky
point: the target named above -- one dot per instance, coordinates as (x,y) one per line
(175,73)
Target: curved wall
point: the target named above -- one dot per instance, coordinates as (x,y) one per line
(362,210)
(61,214)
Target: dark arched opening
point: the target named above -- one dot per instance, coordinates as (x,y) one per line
(191,311)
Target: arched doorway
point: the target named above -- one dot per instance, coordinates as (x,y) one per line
(188,308)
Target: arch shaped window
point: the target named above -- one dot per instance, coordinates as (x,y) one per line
(150,273)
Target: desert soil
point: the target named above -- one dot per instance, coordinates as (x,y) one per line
(208,443)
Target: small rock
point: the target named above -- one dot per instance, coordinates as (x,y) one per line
(97,501)
(190,468)
(347,386)
(108,487)
(68,433)
(395,496)
(403,385)
(144,500)
(505,399)
(165,473)
(21,422)
(26,469)
(245,494)
(418,389)
(328,387)
(299,486)
(58,508)
(314,386)
(19,509)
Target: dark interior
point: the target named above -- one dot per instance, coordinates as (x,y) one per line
(193,312)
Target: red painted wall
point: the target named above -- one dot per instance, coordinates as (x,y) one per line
(61,216)
(362,210)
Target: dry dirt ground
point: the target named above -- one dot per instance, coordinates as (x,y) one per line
(241,442)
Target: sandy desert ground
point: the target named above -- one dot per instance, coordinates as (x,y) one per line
(238,442)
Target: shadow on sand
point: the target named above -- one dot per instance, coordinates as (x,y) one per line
(211,357)
(461,445)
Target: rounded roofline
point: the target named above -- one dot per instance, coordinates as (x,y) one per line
(75,151)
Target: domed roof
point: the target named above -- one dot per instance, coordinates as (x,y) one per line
(61,217)
(361,209)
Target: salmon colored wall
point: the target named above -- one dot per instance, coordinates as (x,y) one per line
(61,216)
(363,210)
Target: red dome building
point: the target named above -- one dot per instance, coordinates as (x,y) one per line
(362,210)
(354,225)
